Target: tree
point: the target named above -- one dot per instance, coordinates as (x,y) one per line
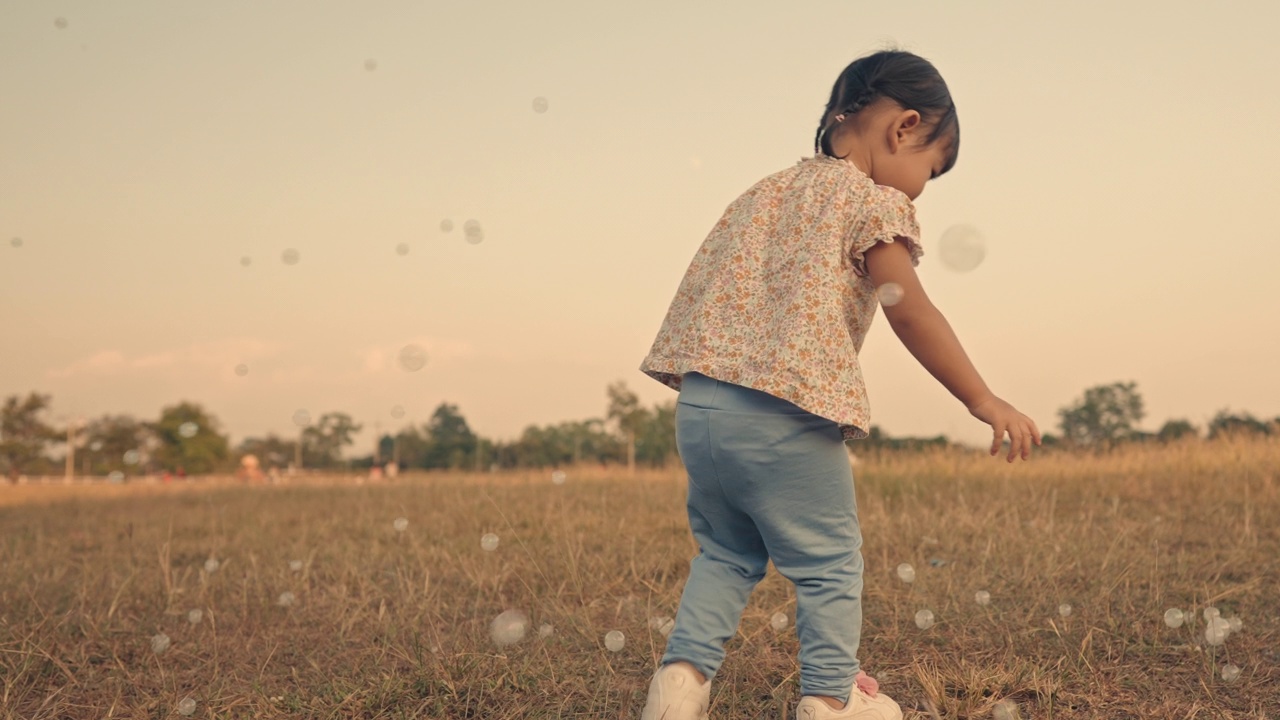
(450,442)
(109,438)
(656,438)
(23,434)
(1224,423)
(272,451)
(322,441)
(187,439)
(1176,430)
(1106,414)
(624,409)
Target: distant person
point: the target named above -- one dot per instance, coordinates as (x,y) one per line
(762,342)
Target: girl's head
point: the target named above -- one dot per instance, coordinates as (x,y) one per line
(891,111)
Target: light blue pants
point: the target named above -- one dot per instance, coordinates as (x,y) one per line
(768,479)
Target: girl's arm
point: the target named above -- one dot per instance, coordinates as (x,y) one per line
(929,337)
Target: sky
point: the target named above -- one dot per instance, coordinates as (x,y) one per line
(1118,159)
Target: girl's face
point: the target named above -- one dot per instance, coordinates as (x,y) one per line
(903,160)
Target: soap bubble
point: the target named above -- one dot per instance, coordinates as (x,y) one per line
(301,417)
(1234,624)
(295,565)
(1210,613)
(245,261)
(16,242)
(1230,672)
(370,65)
(412,357)
(662,624)
(290,257)
(1005,710)
(242,369)
(1174,618)
(614,640)
(539,104)
(508,628)
(545,630)
(188,429)
(889,293)
(489,542)
(131,457)
(982,597)
(159,643)
(211,565)
(402,249)
(1216,632)
(400,524)
(446,225)
(778,622)
(924,619)
(397,411)
(286,599)
(473,231)
(962,248)
(195,616)
(60,23)
(558,477)
(906,573)
(115,477)
(187,706)
(1064,609)
(96,445)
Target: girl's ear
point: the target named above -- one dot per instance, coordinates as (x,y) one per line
(904,125)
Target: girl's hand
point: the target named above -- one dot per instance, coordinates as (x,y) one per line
(1005,418)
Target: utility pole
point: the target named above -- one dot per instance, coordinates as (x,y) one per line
(71,449)
(377,443)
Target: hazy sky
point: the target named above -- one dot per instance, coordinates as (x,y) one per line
(1119,158)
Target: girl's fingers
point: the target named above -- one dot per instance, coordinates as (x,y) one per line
(999,437)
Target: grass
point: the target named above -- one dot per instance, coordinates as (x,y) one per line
(394,624)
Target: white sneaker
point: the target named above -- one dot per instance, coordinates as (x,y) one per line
(861,706)
(675,694)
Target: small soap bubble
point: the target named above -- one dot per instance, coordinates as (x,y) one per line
(962,248)
(1211,612)
(1173,617)
(370,65)
(295,565)
(924,619)
(1234,624)
(290,256)
(906,573)
(195,616)
(245,261)
(614,640)
(558,477)
(16,242)
(401,524)
(982,597)
(778,622)
(473,232)
(545,630)
(539,104)
(889,293)
(1005,710)
(211,565)
(402,249)
(1230,672)
(412,357)
(60,23)
(1216,632)
(159,643)
(662,624)
(301,417)
(397,411)
(131,457)
(286,599)
(96,445)
(489,542)
(115,477)
(187,706)
(188,429)
(1064,609)
(508,628)
(242,369)
(446,225)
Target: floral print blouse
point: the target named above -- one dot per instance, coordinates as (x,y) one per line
(778,299)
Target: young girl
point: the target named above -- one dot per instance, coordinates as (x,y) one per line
(762,342)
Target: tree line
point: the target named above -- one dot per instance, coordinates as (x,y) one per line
(188,439)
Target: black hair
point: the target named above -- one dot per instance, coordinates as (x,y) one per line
(907,79)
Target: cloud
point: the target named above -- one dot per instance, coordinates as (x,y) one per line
(221,355)
(386,358)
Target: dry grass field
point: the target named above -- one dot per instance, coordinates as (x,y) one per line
(396,624)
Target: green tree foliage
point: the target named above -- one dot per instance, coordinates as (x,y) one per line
(1225,423)
(1176,430)
(1105,415)
(23,434)
(271,451)
(625,412)
(106,439)
(323,440)
(206,451)
(450,443)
